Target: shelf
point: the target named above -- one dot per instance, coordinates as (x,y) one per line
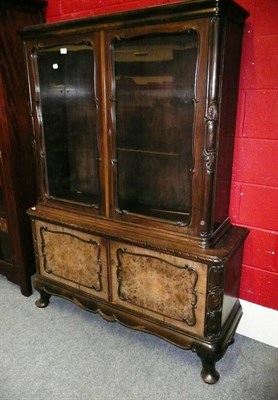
(151,152)
(87,199)
(1,201)
(177,216)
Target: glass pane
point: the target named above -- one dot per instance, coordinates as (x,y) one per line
(155,81)
(2,210)
(5,247)
(5,244)
(69,116)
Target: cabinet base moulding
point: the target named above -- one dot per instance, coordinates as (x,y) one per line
(209,351)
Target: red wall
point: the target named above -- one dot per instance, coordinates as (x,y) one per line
(254,198)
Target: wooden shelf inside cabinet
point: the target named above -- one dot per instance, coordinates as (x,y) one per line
(150,152)
(131,111)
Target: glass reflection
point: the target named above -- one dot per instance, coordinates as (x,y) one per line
(5,243)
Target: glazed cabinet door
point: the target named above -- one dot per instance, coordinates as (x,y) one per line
(157,100)
(5,238)
(72,258)
(169,289)
(67,121)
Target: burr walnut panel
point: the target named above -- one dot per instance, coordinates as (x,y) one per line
(72,257)
(165,287)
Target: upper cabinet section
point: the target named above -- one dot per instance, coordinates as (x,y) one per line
(134,115)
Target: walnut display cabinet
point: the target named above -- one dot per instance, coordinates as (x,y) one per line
(134,119)
(17,177)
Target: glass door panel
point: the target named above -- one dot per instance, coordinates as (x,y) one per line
(5,247)
(5,243)
(69,119)
(2,210)
(154,93)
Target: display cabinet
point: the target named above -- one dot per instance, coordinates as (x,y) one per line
(134,118)
(17,178)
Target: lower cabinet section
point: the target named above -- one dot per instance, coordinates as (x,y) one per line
(190,301)
(167,288)
(71,257)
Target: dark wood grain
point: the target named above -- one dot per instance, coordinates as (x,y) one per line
(17,166)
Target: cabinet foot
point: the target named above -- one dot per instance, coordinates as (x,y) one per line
(209,373)
(232,341)
(43,301)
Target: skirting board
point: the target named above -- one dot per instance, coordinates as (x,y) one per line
(259,323)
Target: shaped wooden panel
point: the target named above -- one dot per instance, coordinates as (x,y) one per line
(168,288)
(72,257)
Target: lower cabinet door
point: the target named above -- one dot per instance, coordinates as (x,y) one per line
(167,288)
(71,257)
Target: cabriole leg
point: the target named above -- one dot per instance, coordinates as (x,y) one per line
(209,373)
(43,301)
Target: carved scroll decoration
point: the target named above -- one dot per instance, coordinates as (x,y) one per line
(79,259)
(209,152)
(212,112)
(157,285)
(205,234)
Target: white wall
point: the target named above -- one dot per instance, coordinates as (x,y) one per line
(259,323)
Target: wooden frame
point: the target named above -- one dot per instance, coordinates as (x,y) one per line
(16,162)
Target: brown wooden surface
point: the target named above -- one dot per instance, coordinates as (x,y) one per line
(17,167)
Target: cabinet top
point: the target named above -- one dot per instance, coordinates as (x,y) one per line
(187,9)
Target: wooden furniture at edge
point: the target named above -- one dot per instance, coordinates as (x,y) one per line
(134,118)
(17,176)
